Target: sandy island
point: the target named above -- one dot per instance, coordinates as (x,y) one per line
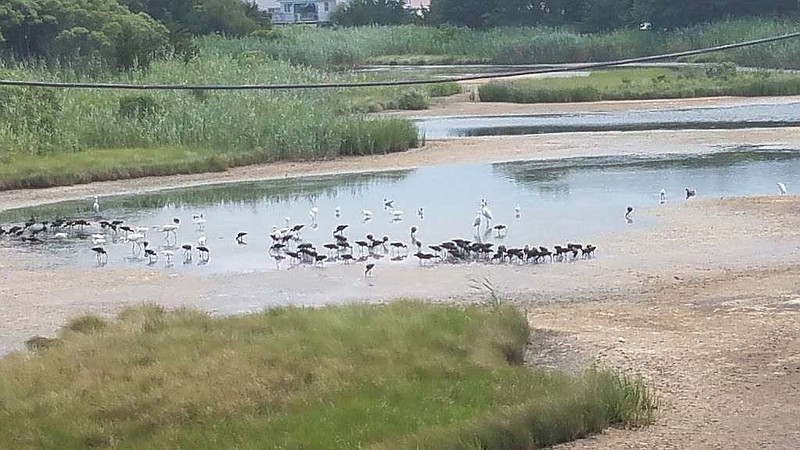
(705,304)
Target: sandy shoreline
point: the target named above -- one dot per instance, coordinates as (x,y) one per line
(456,151)
(705,303)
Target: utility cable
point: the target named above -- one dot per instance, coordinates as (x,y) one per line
(290,86)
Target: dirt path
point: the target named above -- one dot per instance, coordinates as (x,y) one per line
(705,303)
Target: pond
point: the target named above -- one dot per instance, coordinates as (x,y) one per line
(568,200)
(734,117)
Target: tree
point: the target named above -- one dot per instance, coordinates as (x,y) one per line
(86,29)
(372,12)
(199,17)
(473,14)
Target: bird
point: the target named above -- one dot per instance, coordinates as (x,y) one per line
(96,205)
(240,237)
(477,222)
(101,254)
(187,252)
(199,221)
(628,212)
(340,228)
(368,269)
(151,255)
(486,212)
(168,254)
(662,196)
(690,193)
(313,213)
(337,212)
(782,188)
(501,230)
(388,203)
(203,252)
(176,220)
(421,213)
(201,241)
(397,215)
(517,212)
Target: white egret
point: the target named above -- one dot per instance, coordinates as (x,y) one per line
(782,188)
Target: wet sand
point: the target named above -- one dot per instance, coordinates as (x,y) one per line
(704,303)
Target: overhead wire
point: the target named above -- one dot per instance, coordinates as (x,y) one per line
(341,85)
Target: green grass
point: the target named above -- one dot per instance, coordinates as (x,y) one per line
(346,47)
(637,84)
(50,137)
(405,375)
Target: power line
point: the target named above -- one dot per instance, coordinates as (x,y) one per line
(275,87)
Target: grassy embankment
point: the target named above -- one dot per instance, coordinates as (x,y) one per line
(421,45)
(406,375)
(640,84)
(58,137)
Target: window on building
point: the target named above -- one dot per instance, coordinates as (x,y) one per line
(287,7)
(326,7)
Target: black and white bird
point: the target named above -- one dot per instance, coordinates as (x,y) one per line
(690,193)
(628,212)
(662,196)
(100,254)
(388,203)
(782,188)
(368,269)
(240,237)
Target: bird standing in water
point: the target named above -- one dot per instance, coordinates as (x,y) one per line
(662,196)
(628,213)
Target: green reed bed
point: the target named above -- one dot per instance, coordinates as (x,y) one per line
(405,375)
(54,137)
(637,84)
(447,45)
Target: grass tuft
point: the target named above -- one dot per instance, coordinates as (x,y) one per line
(642,84)
(404,375)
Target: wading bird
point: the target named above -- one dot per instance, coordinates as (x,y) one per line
(96,205)
(662,196)
(368,269)
(782,188)
(690,193)
(240,237)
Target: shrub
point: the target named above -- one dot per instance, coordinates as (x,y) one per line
(139,107)
(411,99)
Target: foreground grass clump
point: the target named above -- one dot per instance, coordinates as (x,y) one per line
(641,84)
(407,375)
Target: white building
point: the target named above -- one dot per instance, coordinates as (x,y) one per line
(300,11)
(286,12)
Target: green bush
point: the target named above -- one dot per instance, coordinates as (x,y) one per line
(139,107)
(411,99)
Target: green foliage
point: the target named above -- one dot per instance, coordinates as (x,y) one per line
(323,47)
(410,375)
(640,84)
(372,12)
(85,324)
(139,107)
(410,99)
(200,17)
(84,30)
(443,89)
(93,135)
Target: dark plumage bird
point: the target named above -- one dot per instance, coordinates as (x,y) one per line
(101,254)
(151,255)
(203,251)
(347,258)
(368,269)
(690,193)
(176,221)
(340,228)
(240,237)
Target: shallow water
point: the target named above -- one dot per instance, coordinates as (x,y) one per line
(734,117)
(562,200)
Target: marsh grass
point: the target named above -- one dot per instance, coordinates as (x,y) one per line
(637,84)
(411,44)
(405,375)
(103,135)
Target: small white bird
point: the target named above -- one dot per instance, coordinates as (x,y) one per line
(313,213)
(782,188)
(662,196)
(477,222)
(337,212)
(367,214)
(199,221)
(201,241)
(96,205)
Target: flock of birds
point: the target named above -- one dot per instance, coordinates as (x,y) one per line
(287,243)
